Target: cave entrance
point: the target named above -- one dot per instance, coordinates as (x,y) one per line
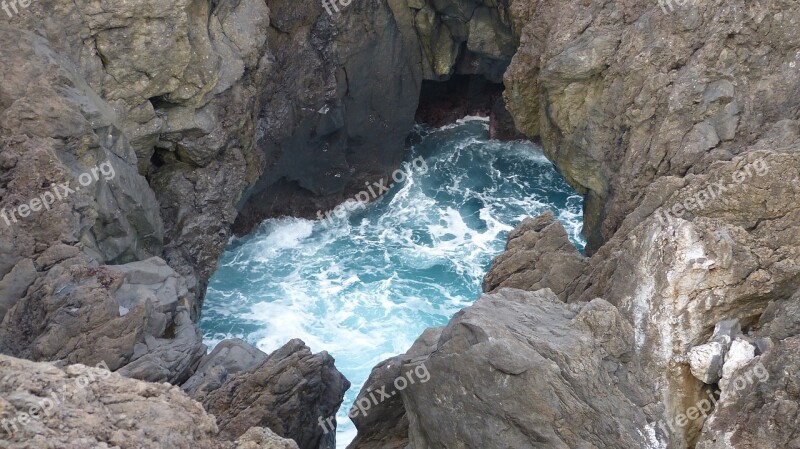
(444,102)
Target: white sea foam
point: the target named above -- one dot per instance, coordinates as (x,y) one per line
(366,287)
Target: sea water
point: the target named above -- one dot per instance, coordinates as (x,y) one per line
(364,287)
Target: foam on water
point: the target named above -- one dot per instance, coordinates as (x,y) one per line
(364,287)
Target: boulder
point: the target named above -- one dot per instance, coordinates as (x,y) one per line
(290,392)
(538,255)
(228,358)
(706,361)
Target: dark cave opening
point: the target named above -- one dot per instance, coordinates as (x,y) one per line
(444,102)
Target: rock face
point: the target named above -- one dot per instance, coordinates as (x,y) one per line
(538,255)
(181,120)
(80,407)
(385,424)
(289,392)
(625,94)
(161,122)
(764,412)
(344,88)
(520,369)
(679,126)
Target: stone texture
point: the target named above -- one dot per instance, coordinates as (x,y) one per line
(80,407)
(228,358)
(538,255)
(706,362)
(628,93)
(288,392)
(521,369)
(765,412)
(385,424)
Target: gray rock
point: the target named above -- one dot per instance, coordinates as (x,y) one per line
(228,358)
(549,358)
(762,408)
(14,284)
(538,255)
(385,424)
(781,319)
(289,392)
(726,331)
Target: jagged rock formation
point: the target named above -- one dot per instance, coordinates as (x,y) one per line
(80,407)
(538,255)
(228,358)
(287,392)
(344,88)
(677,121)
(681,128)
(523,370)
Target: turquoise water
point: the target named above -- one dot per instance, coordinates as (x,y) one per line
(366,285)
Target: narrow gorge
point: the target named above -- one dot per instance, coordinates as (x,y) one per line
(164,167)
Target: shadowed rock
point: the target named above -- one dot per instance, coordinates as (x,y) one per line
(288,392)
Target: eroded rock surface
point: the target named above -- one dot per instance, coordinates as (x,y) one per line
(522,369)
(288,392)
(538,255)
(80,407)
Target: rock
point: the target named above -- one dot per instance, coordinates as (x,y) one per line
(706,361)
(109,92)
(14,284)
(538,255)
(74,314)
(726,331)
(740,354)
(228,358)
(289,392)
(597,84)
(385,424)
(172,356)
(549,358)
(761,408)
(781,319)
(263,438)
(79,407)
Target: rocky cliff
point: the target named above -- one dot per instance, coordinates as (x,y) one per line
(679,124)
(138,136)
